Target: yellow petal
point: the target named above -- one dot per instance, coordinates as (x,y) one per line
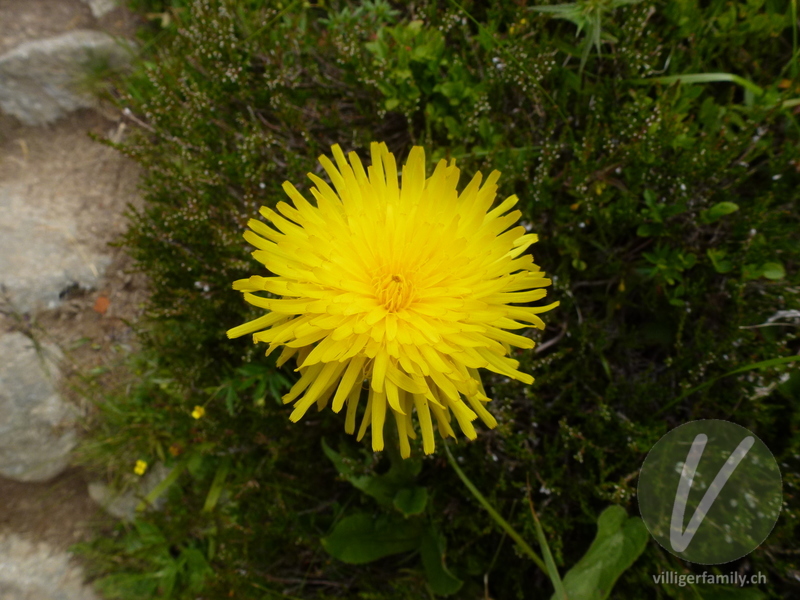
(352,377)
(425,423)
(378,419)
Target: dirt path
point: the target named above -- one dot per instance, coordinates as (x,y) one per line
(90,326)
(68,176)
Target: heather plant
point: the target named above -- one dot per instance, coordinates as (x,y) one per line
(660,170)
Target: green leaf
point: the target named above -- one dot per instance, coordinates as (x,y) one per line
(384,488)
(718,211)
(521,543)
(486,37)
(552,571)
(361,538)
(790,389)
(619,542)
(703,78)
(217,485)
(559,9)
(171,478)
(751,271)
(764,364)
(231,400)
(773,270)
(128,585)
(721,264)
(149,534)
(451,89)
(687,260)
(197,568)
(441,580)
(411,500)
(649,229)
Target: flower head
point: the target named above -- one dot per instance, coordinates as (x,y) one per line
(198,412)
(140,468)
(408,286)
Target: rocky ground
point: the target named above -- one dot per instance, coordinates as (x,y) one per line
(67,299)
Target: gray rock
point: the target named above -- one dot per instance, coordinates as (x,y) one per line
(36,425)
(123,504)
(40,80)
(38,572)
(40,252)
(101,8)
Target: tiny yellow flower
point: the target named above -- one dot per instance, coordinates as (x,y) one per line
(198,412)
(140,468)
(410,285)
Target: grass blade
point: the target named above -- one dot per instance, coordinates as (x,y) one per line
(759,365)
(552,571)
(495,515)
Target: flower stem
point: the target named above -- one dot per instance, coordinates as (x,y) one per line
(494,514)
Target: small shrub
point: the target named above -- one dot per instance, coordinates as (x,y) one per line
(667,214)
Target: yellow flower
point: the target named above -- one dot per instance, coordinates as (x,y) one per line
(198,412)
(407,286)
(140,468)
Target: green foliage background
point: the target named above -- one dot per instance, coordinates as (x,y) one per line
(668,219)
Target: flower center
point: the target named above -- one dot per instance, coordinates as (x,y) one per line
(393,290)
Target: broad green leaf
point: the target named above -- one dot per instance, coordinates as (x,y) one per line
(365,483)
(688,260)
(197,567)
(362,538)
(383,487)
(148,535)
(411,500)
(486,36)
(718,211)
(751,271)
(451,89)
(719,260)
(619,542)
(649,229)
(773,270)
(441,580)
